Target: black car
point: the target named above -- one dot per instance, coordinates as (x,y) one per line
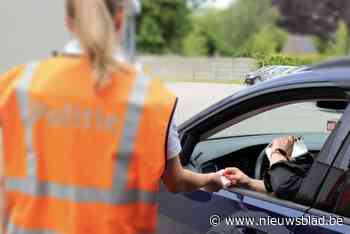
(235,133)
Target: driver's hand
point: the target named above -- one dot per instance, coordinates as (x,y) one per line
(285,143)
(237,177)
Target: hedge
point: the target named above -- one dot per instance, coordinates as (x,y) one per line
(289,60)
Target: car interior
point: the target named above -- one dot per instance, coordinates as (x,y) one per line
(247,152)
(244,157)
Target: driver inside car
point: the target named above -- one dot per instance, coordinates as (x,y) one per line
(284,175)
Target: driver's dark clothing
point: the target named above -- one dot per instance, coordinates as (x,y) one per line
(284,178)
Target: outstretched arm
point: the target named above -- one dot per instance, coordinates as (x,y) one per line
(240,179)
(257,185)
(178,179)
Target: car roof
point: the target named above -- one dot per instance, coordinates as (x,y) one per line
(276,70)
(334,73)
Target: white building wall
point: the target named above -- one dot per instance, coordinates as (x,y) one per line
(30,30)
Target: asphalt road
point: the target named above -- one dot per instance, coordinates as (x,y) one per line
(195,97)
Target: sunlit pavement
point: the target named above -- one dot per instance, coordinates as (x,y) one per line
(195,97)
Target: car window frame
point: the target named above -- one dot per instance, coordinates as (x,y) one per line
(338,167)
(307,208)
(266,110)
(243,192)
(307,203)
(342,159)
(200,128)
(192,134)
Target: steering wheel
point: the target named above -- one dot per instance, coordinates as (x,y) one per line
(262,163)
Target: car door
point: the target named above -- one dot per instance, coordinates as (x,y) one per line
(329,212)
(222,212)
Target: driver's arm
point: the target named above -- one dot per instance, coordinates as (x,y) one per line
(257,185)
(240,179)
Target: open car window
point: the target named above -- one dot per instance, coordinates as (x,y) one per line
(241,144)
(296,118)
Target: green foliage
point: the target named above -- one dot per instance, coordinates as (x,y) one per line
(202,36)
(150,38)
(162,26)
(289,60)
(195,44)
(341,44)
(236,27)
(338,46)
(269,40)
(321,44)
(246,28)
(241,23)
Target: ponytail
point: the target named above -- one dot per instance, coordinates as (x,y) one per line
(95,30)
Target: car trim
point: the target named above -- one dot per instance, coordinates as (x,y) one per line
(252,197)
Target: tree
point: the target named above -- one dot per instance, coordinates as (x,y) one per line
(162,26)
(269,40)
(315,17)
(338,45)
(233,32)
(202,35)
(341,43)
(195,44)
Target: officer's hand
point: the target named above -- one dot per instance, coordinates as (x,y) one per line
(214,182)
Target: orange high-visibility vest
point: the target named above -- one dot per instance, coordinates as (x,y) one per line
(77,161)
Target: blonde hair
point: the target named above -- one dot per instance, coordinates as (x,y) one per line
(95,30)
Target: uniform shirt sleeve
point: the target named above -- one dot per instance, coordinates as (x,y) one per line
(174,146)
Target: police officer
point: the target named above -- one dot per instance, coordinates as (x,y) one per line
(87,139)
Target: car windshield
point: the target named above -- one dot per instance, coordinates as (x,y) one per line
(294,118)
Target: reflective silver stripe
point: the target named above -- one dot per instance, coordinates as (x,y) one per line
(77,194)
(126,147)
(23,102)
(12,229)
(119,193)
